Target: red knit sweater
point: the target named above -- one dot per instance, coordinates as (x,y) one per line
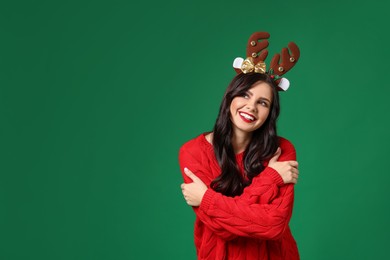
(251,226)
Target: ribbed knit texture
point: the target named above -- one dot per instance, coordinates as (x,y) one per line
(252,226)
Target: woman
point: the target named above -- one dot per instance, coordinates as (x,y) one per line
(240,177)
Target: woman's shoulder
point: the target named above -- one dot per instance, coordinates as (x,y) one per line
(288,149)
(285,144)
(199,144)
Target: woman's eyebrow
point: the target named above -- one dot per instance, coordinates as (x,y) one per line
(266,99)
(262,98)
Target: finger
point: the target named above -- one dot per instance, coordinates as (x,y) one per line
(182,186)
(294,180)
(276,155)
(293,163)
(188,201)
(192,176)
(295,170)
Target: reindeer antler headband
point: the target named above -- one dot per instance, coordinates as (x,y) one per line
(256,54)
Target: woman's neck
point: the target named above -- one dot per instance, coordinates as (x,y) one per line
(240,141)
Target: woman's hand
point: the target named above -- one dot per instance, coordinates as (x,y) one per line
(193,192)
(288,170)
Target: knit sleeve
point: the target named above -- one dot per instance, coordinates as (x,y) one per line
(237,216)
(266,189)
(262,211)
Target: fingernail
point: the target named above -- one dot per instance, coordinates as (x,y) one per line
(185,169)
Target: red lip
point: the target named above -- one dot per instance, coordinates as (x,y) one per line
(245,119)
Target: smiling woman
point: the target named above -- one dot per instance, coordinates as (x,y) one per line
(240,177)
(249,111)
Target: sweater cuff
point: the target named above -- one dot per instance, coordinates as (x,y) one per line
(207,200)
(275,176)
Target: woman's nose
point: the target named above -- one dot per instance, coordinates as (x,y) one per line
(251,106)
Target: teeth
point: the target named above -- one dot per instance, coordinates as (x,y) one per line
(247,116)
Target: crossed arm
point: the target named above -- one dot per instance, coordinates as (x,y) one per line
(262,211)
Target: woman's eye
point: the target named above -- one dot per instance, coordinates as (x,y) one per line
(263,103)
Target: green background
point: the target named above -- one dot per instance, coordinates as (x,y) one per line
(96,97)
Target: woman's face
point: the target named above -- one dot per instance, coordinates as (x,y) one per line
(249,111)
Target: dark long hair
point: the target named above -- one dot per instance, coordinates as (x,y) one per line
(264,141)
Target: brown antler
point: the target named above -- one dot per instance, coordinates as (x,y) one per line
(256,46)
(256,50)
(288,60)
